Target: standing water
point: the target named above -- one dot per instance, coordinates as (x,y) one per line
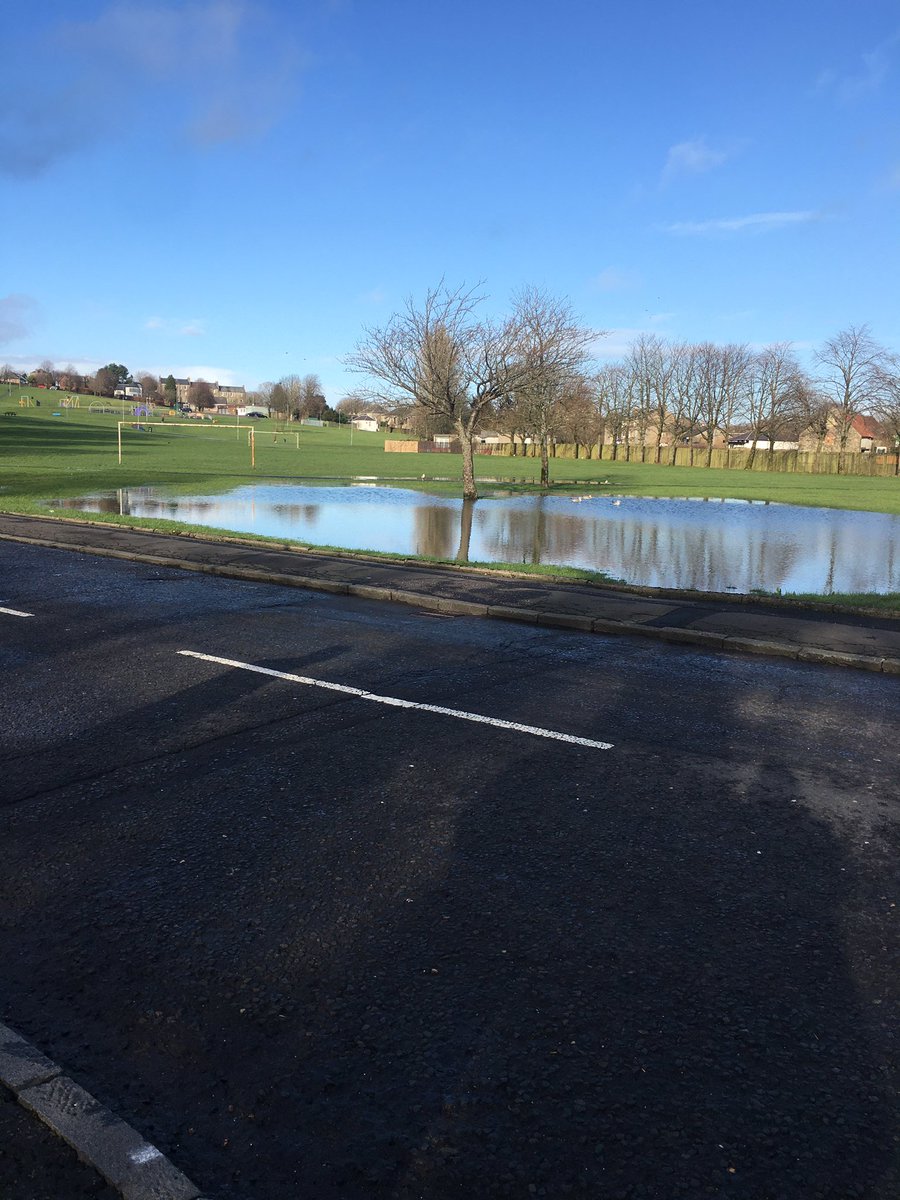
(708,545)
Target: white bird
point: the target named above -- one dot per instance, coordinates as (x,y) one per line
(616,503)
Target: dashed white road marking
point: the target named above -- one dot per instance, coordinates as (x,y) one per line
(145,1154)
(14,612)
(394,702)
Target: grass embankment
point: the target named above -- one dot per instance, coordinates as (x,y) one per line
(45,457)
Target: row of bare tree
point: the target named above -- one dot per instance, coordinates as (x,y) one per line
(533,375)
(294,398)
(444,358)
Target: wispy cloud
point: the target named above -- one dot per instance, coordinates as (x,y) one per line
(869,74)
(28,362)
(616,343)
(202,371)
(176,326)
(613,279)
(17,313)
(753,223)
(693,157)
(227,68)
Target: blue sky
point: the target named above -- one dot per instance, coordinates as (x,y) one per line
(234,190)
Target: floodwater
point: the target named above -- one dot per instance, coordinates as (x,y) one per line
(709,545)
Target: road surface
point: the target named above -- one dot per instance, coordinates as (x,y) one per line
(437,907)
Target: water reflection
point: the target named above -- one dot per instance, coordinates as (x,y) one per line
(711,545)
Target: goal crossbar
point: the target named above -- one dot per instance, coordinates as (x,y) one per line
(137,423)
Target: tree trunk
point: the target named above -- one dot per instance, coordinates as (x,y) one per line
(545,463)
(465,529)
(466,441)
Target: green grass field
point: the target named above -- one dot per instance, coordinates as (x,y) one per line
(46,457)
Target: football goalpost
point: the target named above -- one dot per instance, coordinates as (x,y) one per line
(140,424)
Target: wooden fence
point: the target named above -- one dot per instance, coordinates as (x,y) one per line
(732,458)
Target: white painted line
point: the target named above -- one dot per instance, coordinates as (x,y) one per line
(396,703)
(14,612)
(147,1154)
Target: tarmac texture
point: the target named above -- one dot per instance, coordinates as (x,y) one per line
(309,950)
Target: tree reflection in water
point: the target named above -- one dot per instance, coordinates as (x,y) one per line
(716,545)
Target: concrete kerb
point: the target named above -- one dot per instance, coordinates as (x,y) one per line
(837,658)
(131,1164)
(584,624)
(573,621)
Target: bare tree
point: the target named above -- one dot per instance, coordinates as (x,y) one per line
(660,361)
(352,406)
(150,387)
(201,395)
(888,407)
(641,374)
(684,397)
(613,404)
(580,420)
(44,375)
(446,359)
(815,413)
(312,400)
(263,396)
(70,379)
(773,389)
(720,375)
(286,395)
(854,367)
(552,350)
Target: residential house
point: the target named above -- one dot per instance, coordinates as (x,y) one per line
(226,396)
(863,436)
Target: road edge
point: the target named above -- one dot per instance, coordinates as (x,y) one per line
(115,1149)
(699,638)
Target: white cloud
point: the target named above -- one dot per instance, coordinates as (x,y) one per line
(176,326)
(17,312)
(234,68)
(692,158)
(228,68)
(615,343)
(612,279)
(204,371)
(28,362)
(868,76)
(753,223)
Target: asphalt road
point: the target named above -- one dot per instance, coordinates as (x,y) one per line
(309,942)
